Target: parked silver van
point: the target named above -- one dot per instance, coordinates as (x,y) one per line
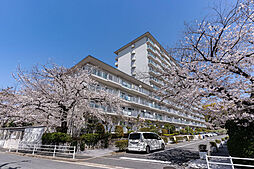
(145,141)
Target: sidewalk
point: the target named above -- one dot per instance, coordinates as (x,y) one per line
(97,152)
(87,154)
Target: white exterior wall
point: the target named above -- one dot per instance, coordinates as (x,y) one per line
(142,60)
(125,58)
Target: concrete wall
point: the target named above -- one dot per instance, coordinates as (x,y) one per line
(12,137)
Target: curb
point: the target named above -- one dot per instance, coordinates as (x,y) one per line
(48,157)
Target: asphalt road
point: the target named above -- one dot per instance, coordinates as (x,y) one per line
(12,161)
(117,161)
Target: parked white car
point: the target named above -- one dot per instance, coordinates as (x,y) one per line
(145,141)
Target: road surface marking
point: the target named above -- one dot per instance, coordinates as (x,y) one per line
(145,160)
(94,165)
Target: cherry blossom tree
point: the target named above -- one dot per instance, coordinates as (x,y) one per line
(216,63)
(59,97)
(7,97)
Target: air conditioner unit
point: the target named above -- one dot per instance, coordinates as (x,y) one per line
(133,52)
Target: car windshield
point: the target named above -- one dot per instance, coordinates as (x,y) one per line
(134,136)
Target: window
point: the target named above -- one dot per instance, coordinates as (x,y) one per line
(110,77)
(105,75)
(150,136)
(134,136)
(99,73)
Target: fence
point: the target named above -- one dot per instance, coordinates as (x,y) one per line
(228,161)
(54,150)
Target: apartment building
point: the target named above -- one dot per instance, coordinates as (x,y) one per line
(142,55)
(145,56)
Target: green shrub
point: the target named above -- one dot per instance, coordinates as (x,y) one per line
(100,129)
(145,129)
(178,139)
(164,131)
(90,139)
(170,128)
(165,139)
(183,131)
(166,135)
(56,138)
(121,144)
(213,144)
(176,133)
(226,138)
(218,141)
(119,131)
(222,139)
(105,140)
(155,130)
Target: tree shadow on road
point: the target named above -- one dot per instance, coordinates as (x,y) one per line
(175,156)
(16,162)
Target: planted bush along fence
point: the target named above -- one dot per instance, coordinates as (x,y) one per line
(55,138)
(89,140)
(101,139)
(121,144)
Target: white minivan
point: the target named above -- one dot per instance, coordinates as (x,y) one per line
(145,141)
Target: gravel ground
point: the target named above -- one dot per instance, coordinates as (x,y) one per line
(175,156)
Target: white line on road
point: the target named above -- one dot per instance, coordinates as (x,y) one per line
(94,165)
(146,160)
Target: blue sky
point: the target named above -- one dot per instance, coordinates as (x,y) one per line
(64,32)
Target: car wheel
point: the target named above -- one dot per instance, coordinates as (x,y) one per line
(162,146)
(147,149)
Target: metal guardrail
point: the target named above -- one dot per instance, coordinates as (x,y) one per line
(230,161)
(46,149)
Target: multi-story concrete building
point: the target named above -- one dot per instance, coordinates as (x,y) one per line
(143,55)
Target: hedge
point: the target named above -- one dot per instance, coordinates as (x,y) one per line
(122,144)
(90,139)
(144,129)
(119,131)
(164,131)
(55,138)
(218,141)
